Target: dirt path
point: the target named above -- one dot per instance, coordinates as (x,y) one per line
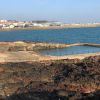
(23,56)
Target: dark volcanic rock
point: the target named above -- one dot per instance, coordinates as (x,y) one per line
(55,96)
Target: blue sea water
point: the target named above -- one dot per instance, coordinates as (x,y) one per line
(70,35)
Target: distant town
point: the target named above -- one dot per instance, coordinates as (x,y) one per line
(13,24)
(10,24)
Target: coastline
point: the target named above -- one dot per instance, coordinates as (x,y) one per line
(20,51)
(54,27)
(22,70)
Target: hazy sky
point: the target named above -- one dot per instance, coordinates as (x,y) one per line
(70,11)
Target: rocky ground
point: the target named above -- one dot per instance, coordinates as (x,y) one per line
(52,80)
(26,75)
(28,46)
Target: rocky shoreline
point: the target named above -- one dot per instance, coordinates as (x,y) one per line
(27,75)
(32,46)
(20,51)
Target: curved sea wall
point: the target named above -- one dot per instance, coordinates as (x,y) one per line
(84,44)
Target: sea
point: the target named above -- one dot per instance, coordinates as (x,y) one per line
(67,36)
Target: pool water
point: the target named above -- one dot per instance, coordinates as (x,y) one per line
(70,50)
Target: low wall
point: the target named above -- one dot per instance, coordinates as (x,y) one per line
(31,46)
(84,44)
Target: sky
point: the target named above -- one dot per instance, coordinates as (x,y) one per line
(68,11)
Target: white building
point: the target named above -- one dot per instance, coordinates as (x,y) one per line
(11,26)
(3,21)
